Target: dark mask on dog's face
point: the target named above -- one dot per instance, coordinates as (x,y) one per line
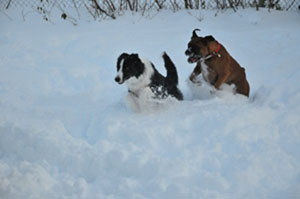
(196,50)
(198,47)
(128,66)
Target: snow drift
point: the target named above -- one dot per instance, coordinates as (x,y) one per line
(67,132)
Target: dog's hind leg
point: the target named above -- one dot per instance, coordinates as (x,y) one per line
(172,76)
(243,88)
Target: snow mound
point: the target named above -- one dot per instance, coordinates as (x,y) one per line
(67,132)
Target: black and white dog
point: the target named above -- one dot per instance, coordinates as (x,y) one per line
(145,83)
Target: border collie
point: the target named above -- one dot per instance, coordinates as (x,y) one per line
(145,83)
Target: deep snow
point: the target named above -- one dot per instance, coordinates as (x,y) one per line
(67,132)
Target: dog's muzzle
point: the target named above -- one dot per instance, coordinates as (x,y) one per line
(118,80)
(188,52)
(192,56)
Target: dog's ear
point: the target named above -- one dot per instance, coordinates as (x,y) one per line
(209,38)
(135,55)
(194,33)
(137,63)
(123,55)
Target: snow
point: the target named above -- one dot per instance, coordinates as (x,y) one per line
(66,130)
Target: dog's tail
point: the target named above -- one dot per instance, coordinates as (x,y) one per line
(172,76)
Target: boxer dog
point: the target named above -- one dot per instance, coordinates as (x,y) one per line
(215,63)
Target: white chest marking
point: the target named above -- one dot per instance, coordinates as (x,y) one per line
(120,71)
(205,71)
(136,84)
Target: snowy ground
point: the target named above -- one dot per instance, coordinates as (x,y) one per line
(66,130)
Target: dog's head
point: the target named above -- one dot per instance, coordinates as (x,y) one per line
(199,47)
(128,66)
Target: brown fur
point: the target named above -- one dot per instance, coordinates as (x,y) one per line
(223,69)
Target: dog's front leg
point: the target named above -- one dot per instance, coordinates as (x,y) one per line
(221,79)
(195,73)
(132,100)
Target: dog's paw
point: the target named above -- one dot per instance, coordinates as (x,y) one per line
(197,82)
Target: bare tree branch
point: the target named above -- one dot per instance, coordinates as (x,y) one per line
(231,5)
(129,4)
(97,6)
(89,10)
(291,5)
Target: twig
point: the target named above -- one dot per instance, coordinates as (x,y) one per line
(76,9)
(88,9)
(8,4)
(144,8)
(102,10)
(231,5)
(110,5)
(290,5)
(174,5)
(158,4)
(129,4)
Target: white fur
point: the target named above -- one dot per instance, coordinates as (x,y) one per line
(145,103)
(120,71)
(136,84)
(205,72)
(143,98)
(142,102)
(142,93)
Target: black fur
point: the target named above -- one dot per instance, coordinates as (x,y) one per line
(194,33)
(169,83)
(161,86)
(132,66)
(209,39)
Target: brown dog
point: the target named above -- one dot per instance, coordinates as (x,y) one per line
(215,63)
